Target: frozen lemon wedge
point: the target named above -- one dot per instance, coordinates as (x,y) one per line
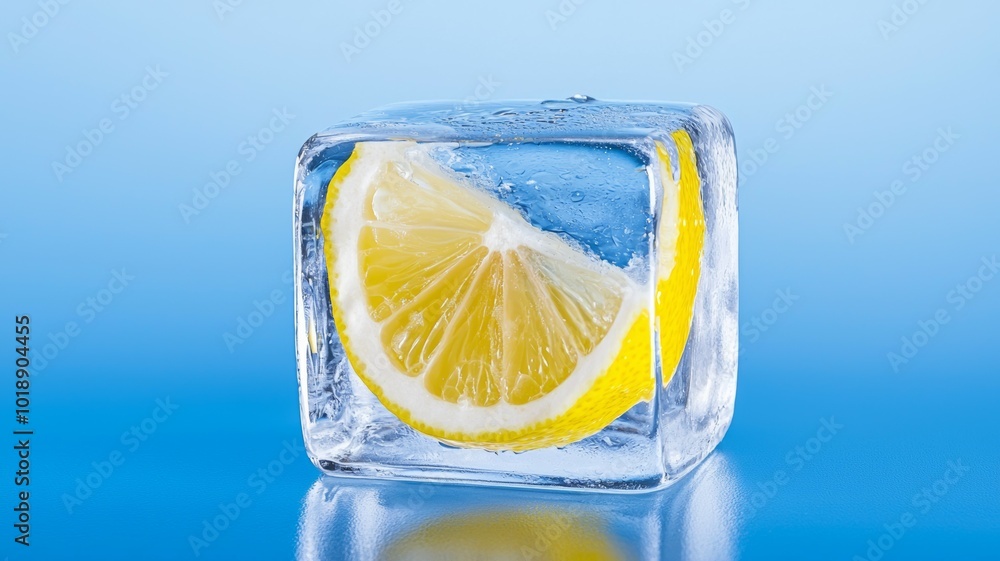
(477,328)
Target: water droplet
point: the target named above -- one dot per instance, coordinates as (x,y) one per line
(576,196)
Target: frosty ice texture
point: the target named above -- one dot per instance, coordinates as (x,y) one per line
(578,168)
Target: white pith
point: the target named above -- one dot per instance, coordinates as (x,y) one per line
(668,231)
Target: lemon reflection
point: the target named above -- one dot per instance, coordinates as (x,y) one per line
(544,535)
(394,521)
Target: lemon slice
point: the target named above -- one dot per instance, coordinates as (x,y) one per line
(470,324)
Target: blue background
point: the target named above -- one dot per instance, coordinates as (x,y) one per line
(825,356)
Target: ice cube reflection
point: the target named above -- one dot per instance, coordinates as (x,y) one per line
(362,520)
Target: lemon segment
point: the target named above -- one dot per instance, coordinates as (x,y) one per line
(475,327)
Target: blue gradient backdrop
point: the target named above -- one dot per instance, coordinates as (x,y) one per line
(824,356)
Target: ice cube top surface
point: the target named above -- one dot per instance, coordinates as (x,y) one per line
(577,117)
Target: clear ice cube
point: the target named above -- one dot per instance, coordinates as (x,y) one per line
(587,172)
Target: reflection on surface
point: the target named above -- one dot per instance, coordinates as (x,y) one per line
(512,534)
(361,520)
